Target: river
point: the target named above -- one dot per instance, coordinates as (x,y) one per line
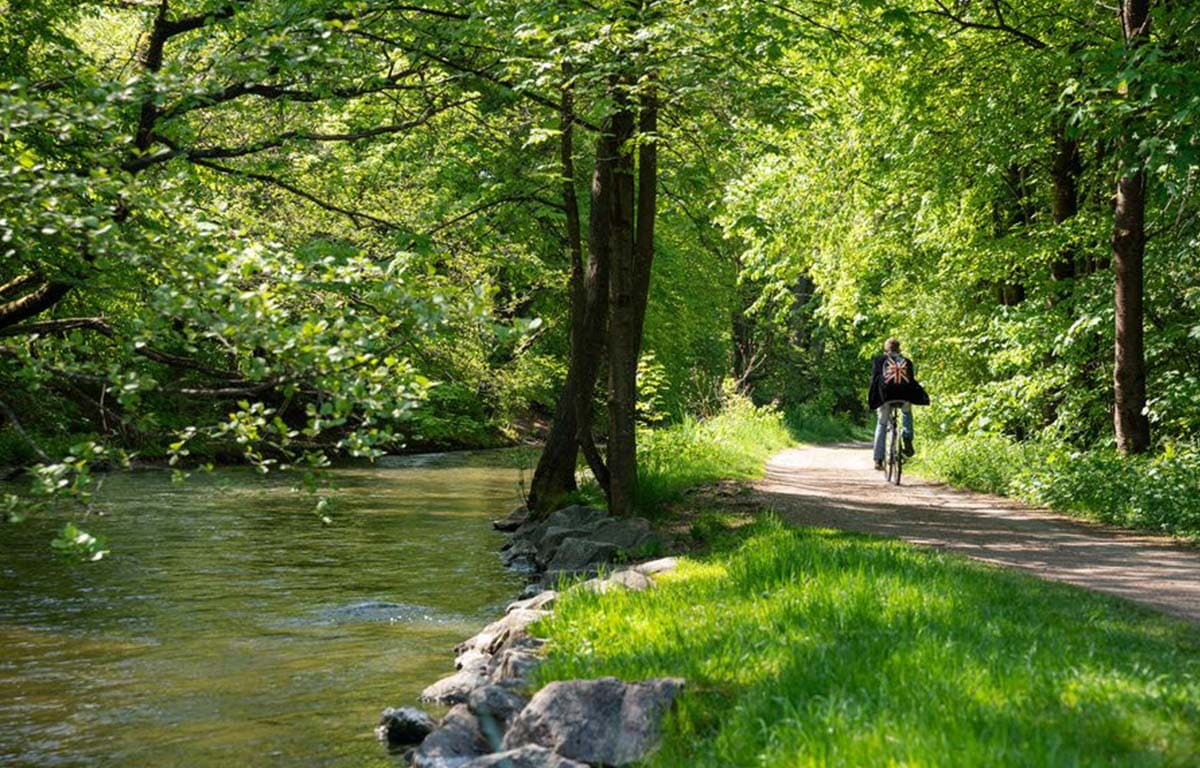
(228,627)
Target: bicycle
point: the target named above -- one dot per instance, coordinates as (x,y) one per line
(893,464)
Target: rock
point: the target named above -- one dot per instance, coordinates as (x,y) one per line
(655,567)
(550,540)
(529,756)
(576,516)
(605,721)
(520,555)
(575,555)
(495,706)
(626,579)
(532,589)
(406,725)
(455,688)
(624,533)
(472,660)
(456,742)
(518,548)
(513,666)
(513,624)
(513,521)
(543,600)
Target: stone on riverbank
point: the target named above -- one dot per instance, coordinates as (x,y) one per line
(605,721)
(529,756)
(511,626)
(542,601)
(455,688)
(457,741)
(656,567)
(576,555)
(512,521)
(495,706)
(404,726)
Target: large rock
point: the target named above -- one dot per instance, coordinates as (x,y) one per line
(529,756)
(512,625)
(550,540)
(626,534)
(513,666)
(605,721)
(455,688)
(542,601)
(513,521)
(575,555)
(472,660)
(404,726)
(456,742)
(656,567)
(626,579)
(576,516)
(495,706)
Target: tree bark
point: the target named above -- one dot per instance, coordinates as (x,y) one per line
(632,237)
(554,477)
(1065,172)
(623,342)
(1130,424)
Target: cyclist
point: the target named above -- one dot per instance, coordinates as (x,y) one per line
(894,378)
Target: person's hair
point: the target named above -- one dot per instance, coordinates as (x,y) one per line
(892,345)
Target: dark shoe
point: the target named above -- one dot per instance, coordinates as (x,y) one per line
(908,448)
(879,465)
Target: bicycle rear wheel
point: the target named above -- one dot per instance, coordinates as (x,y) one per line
(895,458)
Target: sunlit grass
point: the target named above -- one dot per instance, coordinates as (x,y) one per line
(808,647)
(735,444)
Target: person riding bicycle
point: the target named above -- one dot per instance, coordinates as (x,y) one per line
(893,381)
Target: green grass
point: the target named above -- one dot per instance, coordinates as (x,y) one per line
(1157,492)
(811,647)
(735,444)
(814,423)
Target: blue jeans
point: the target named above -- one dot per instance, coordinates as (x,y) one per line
(884,412)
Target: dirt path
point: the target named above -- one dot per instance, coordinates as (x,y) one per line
(835,487)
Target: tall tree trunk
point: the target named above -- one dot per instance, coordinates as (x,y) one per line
(623,336)
(554,477)
(629,290)
(1065,173)
(1130,424)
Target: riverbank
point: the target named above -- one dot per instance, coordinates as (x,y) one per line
(810,646)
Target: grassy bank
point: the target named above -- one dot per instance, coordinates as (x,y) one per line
(809,647)
(1157,492)
(734,444)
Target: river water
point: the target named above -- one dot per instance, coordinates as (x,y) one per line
(228,627)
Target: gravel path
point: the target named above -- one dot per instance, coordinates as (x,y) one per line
(836,487)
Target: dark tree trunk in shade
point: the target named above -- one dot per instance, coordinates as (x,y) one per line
(623,342)
(1065,172)
(1130,424)
(554,477)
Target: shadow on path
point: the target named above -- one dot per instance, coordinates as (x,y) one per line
(834,486)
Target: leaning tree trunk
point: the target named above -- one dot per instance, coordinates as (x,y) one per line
(554,478)
(1130,424)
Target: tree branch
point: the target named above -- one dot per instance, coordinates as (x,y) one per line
(16,425)
(356,217)
(1001,25)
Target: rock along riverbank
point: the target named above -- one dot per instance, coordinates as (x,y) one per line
(495,719)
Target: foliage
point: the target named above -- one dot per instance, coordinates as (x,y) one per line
(732,444)
(1159,492)
(811,647)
